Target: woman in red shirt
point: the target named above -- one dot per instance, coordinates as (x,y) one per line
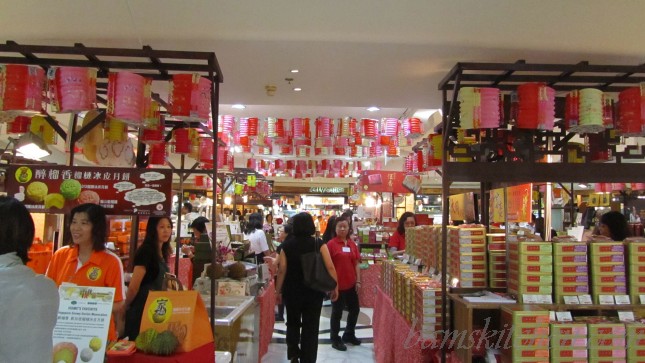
(344,253)
(397,240)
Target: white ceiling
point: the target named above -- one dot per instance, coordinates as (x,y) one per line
(351,54)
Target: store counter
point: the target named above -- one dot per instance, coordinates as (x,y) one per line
(203,354)
(394,338)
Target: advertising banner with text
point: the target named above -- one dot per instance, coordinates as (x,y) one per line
(389,181)
(519,203)
(122,191)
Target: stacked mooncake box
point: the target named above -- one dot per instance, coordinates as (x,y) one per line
(607,342)
(607,269)
(467,255)
(530,270)
(529,343)
(635,342)
(568,342)
(496,245)
(426,311)
(636,263)
(571,270)
(421,243)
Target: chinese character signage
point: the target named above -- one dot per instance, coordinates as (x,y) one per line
(497,208)
(122,191)
(389,181)
(82,326)
(519,203)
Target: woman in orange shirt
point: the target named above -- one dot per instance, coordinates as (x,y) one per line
(86,262)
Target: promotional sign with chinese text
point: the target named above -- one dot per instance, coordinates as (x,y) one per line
(389,181)
(82,326)
(519,203)
(58,189)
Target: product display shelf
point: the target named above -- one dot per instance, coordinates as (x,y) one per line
(158,65)
(492,163)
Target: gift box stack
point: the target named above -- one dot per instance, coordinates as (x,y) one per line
(635,342)
(402,298)
(389,270)
(496,260)
(607,342)
(427,308)
(571,270)
(568,342)
(530,333)
(530,268)
(608,269)
(421,243)
(636,257)
(467,255)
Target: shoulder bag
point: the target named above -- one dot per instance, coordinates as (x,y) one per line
(315,272)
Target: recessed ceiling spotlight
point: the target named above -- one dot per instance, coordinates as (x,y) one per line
(373,109)
(294,71)
(297,89)
(238,106)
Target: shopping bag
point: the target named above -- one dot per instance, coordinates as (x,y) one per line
(315,272)
(181,312)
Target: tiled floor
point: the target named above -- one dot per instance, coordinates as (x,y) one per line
(362,353)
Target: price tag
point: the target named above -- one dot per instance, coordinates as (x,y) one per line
(552,316)
(571,300)
(370,262)
(606,299)
(622,299)
(544,299)
(563,316)
(642,299)
(530,299)
(417,261)
(585,299)
(626,316)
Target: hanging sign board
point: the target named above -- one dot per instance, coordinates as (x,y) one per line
(497,207)
(122,191)
(83,321)
(519,203)
(389,181)
(462,207)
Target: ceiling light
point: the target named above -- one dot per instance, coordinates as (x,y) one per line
(297,89)
(583,186)
(31,146)
(238,106)
(373,109)
(294,71)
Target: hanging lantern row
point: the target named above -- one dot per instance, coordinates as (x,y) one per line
(587,110)
(201,148)
(329,168)
(73,89)
(618,187)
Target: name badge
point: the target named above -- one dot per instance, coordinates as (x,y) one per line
(346,249)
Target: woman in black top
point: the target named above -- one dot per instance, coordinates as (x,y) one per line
(330,231)
(303,304)
(150,266)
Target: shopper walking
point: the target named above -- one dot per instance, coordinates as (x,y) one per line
(254,233)
(302,303)
(85,260)
(330,229)
(274,262)
(201,254)
(150,266)
(346,257)
(29,301)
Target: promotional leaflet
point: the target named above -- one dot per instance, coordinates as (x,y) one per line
(83,321)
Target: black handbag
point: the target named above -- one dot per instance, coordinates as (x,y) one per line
(315,272)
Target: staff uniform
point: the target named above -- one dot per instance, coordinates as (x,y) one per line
(397,240)
(258,244)
(103,269)
(345,258)
(28,316)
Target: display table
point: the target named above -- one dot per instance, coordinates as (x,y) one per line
(370,280)
(394,338)
(203,354)
(266,302)
(185,271)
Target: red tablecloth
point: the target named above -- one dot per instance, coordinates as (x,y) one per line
(266,300)
(185,271)
(203,354)
(370,280)
(394,339)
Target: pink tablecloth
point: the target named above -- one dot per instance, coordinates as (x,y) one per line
(203,354)
(185,271)
(371,279)
(394,339)
(266,300)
